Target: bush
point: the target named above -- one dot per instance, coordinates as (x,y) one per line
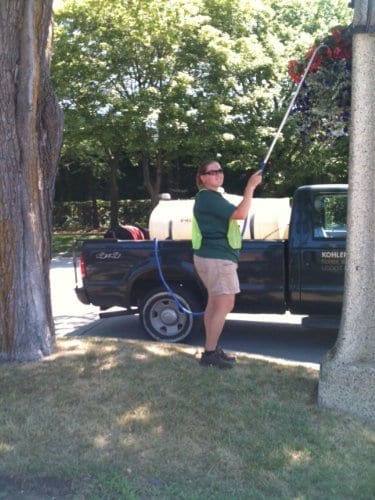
(82,214)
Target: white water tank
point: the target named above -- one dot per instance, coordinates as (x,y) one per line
(268,219)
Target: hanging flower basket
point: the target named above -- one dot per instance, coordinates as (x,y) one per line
(323,104)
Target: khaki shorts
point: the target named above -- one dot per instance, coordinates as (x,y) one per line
(219,276)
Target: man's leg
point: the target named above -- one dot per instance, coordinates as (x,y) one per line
(217,309)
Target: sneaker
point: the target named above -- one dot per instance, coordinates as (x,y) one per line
(215,359)
(225,356)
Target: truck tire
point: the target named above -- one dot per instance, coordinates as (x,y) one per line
(162,319)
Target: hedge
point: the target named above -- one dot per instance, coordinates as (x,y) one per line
(80,214)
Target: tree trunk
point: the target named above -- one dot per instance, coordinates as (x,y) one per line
(30,140)
(347,376)
(152,188)
(113,186)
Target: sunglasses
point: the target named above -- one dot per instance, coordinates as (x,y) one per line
(214,172)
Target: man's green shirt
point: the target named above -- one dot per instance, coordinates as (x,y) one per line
(213,212)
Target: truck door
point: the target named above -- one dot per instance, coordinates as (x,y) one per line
(322,257)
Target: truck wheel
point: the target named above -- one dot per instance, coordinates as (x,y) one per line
(163,320)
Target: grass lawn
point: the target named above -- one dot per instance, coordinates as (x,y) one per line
(121,419)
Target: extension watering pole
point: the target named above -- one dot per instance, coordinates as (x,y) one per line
(263,167)
(264,163)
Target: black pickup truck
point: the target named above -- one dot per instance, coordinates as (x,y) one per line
(303,274)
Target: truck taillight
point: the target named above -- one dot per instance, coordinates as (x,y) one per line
(82,266)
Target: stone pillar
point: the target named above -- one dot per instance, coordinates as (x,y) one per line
(347,375)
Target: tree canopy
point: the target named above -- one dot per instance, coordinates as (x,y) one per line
(157,86)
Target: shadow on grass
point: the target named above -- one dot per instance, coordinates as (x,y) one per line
(130,419)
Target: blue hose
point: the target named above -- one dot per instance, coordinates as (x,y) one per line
(168,288)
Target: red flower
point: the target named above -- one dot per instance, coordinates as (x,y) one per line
(310,52)
(341,53)
(336,53)
(293,71)
(338,47)
(316,64)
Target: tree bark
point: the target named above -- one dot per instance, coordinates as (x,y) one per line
(114,161)
(347,376)
(153,188)
(30,140)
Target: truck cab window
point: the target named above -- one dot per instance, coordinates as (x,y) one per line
(329,216)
